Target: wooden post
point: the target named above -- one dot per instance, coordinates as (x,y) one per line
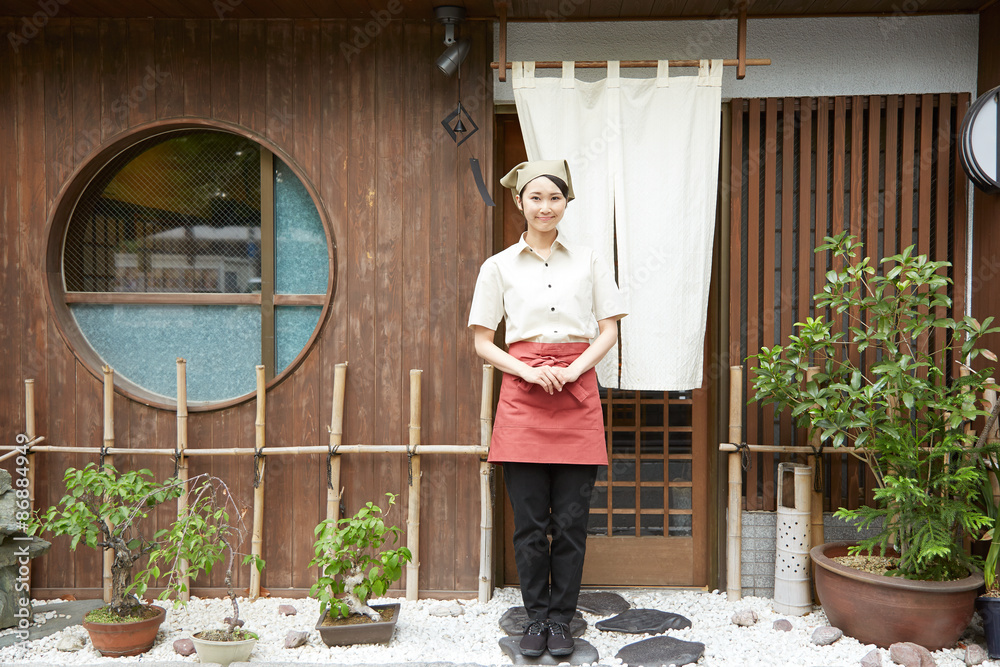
(816,533)
(182,466)
(485,494)
(256,542)
(30,432)
(336,437)
(734,541)
(413,516)
(109,441)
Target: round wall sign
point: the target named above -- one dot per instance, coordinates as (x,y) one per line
(980,136)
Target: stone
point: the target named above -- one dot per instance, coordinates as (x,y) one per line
(826,635)
(184,646)
(71,643)
(602,603)
(644,621)
(782,625)
(872,659)
(287,610)
(660,651)
(583,653)
(15,545)
(296,638)
(909,654)
(513,620)
(975,654)
(229,619)
(446,609)
(745,617)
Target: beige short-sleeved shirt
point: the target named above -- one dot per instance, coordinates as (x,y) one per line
(554,300)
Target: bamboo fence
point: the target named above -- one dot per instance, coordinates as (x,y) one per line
(335,449)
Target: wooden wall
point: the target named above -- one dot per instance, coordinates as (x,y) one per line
(410,232)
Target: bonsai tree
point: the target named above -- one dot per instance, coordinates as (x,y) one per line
(905,410)
(352,561)
(105,509)
(209,531)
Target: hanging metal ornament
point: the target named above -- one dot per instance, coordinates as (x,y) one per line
(459,128)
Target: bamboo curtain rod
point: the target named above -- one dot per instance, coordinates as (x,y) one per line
(597,64)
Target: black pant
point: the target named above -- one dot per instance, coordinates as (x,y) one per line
(550,497)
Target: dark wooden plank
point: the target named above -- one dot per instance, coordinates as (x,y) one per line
(253,75)
(170,40)
(822,222)
(771,324)
(857,183)
(197,68)
(804,225)
(474,236)
(925,170)
(890,204)
(939,251)
(360,259)
(12,411)
(280,109)
(960,226)
(89,433)
(439,419)
(754,280)
(114,77)
(736,322)
(906,181)
(225,70)
(838,221)
(786,275)
(873,187)
(143,71)
(280,494)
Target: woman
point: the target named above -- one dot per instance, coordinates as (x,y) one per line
(560,304)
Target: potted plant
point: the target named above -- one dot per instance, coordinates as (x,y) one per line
(988,604)
(904,411)
(209,530)
(105,509)
(353,563)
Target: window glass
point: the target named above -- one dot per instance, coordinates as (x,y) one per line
(300,243)
(293,325)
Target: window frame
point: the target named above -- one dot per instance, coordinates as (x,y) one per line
(59,300)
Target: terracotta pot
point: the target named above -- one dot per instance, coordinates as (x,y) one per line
(116,640)
(360,633)
(881,610)
(222,653)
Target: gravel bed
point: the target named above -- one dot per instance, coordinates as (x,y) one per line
(471,637)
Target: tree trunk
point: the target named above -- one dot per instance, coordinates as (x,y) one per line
(121,576)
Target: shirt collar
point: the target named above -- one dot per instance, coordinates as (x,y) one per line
(522,243)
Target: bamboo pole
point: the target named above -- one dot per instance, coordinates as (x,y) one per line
(182,466)
(734,541)
(249,451)
(31,434)
(485,496)
(17,449)
(413,516)
(601,64)
(816,532)
(109,441)
(256,542)
(336,436)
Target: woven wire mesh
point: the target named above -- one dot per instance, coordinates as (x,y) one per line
(179,212)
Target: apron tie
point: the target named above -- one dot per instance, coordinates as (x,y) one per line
(578,391)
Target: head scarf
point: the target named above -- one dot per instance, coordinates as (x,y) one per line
(520,175)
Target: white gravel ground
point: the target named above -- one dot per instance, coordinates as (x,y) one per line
(471,637)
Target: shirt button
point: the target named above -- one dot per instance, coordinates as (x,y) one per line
(546,263)
(550,285)
(553,310)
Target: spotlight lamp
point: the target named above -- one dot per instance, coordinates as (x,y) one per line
(449,61)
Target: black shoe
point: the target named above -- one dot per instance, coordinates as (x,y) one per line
(533,641)
(560,640)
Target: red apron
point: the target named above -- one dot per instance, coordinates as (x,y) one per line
(533,427)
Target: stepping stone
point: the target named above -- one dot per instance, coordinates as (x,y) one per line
(644,621)
(602,603)
(660,651)
(583,654)
(513,620)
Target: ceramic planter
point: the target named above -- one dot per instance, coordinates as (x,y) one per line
(115,640)
(989,610)
(881,610)
(221,652)
(360,633)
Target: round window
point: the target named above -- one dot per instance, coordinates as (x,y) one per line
(201,244)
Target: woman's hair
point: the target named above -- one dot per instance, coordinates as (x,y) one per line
(558,182)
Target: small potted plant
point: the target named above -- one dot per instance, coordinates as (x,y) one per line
(905,412)
(353,564)
(106,510)
(988,604)
(210,530)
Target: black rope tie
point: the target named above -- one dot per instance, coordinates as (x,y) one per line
(329,465)
(744,449)
(177,462)
(409,464)
(818,473)
(258,456)
(104,452)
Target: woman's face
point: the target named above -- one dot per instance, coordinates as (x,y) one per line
(543,204)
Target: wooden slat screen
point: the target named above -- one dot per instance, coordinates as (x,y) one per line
(884,167)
